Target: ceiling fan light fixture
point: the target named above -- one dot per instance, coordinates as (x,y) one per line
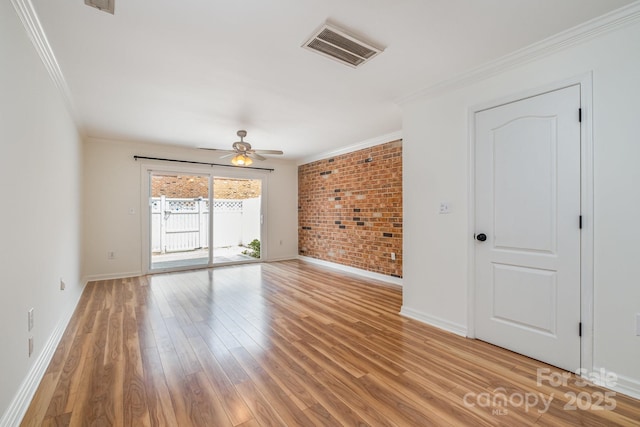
(243,154)
(241,160)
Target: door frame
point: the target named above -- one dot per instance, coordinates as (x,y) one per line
(585,81)
(148,167)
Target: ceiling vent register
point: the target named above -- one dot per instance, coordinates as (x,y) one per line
(103,5)
(334,43)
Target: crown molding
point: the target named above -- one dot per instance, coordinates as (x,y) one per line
(382,139)
(579,34)
(29,17)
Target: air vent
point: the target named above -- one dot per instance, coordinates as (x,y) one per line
(103,5)
(334,43)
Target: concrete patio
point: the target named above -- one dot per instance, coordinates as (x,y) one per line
(199,257)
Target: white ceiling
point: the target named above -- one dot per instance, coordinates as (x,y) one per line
(192,72)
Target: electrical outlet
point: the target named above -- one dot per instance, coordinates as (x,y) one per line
(62,285)
(393,256)
(30,346)
(30,319)
(111,255)
(444,208)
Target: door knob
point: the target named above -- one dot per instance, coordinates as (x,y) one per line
(481,237)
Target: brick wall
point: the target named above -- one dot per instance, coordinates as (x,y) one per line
(191,187)
(350,209)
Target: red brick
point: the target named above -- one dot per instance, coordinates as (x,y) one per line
(364,189)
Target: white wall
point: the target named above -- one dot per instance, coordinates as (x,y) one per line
(436,168)
(113,186)
(39,212)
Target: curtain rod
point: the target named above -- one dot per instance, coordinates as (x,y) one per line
(200,163)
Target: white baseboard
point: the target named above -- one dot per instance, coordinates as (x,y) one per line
(285,258)
(623,385)
(111,276)
(18,407)
(434,321)
(364,273)
(628,386)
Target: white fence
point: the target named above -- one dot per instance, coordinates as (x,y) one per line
(179,225)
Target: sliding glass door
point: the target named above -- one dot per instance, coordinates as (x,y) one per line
(199,220)
(236,219)
(179,220)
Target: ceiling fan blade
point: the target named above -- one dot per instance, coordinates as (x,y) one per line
(268,151)
(254,155)
(226,156)
(217,149)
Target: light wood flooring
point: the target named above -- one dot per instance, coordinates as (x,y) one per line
(288,344)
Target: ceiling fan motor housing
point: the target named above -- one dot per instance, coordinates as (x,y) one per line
(241,146)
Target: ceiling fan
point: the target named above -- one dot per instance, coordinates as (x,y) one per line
(242,152)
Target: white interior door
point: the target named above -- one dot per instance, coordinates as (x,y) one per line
(527,227)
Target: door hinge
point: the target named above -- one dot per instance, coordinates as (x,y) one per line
(580,115)
(580,329)
(580,222)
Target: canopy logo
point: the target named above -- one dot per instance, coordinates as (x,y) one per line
(500,401)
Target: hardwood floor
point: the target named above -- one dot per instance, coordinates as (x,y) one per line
(289,344)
